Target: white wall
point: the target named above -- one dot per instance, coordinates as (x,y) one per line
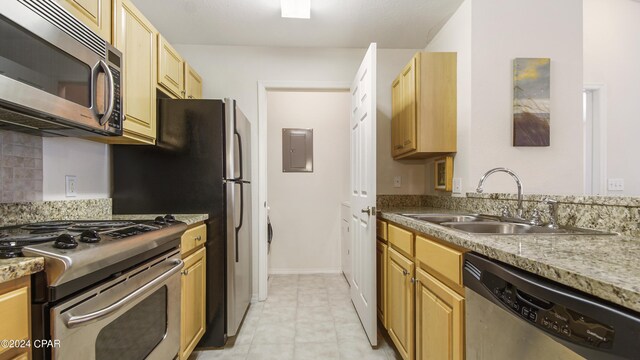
(305,207)
(89,161)
(455,36)
(500,31)
(612,58)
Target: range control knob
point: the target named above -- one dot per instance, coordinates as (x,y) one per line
(159,220)
(65,241)
(169,218)
(89,236)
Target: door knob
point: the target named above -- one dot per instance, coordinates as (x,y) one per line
(369,210)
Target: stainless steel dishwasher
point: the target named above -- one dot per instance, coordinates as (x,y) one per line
(513,314)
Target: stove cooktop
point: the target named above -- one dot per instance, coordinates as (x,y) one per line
(68,234)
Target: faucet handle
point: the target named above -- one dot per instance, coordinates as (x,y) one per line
(536,217)
(505,212)
(553,212)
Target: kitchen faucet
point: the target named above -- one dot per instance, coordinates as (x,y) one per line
(520,209)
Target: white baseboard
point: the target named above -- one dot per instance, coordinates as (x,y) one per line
(254,298)
(304,271)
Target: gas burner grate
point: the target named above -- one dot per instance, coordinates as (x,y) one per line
(99,225)
(48,226)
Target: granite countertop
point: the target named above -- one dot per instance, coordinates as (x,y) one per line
(16,268)
(605,266)
(189,219)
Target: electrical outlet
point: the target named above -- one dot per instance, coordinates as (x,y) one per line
(397,181)
(615,184)
(457,186)
(71,186)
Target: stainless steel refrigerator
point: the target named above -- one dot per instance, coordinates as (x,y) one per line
(200,164)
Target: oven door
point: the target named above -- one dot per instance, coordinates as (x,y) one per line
(135,316)
(56,71)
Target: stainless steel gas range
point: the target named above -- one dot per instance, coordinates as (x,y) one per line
(109,289)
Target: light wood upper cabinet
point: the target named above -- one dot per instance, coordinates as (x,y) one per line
(96,14)
(381,280)
(424,107)
(192,83)
(400,303)
(15,305)
(136,38)
(170,69)
(439,320)
(193,302)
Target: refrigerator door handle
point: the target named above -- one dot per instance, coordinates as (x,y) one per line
(241,218)
(240,164)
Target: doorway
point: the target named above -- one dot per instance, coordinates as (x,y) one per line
(281,105)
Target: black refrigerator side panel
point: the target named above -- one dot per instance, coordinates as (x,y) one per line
(183,173)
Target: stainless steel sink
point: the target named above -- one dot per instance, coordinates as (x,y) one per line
(509,228)
(501,228)
(449,218)
(486,224)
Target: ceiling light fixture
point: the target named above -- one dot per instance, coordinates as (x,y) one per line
(297,9)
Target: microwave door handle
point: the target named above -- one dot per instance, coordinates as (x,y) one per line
(111,91)
(78,320)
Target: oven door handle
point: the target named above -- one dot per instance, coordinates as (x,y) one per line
(75,321)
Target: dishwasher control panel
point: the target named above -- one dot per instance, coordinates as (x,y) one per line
(556,319)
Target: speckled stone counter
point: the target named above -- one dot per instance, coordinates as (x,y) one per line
(11,269)
(605,266)
(30,212)
(189,219)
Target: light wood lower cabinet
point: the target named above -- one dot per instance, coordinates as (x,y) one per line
(193,294)
(15,316)
(439,320)
(400,299)
(381,281)
(423,302)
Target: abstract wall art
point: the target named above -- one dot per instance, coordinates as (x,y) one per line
(531,100)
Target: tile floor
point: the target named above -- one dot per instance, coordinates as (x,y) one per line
(305,317)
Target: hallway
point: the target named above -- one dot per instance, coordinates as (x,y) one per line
(305,317)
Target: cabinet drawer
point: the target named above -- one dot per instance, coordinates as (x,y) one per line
(401,239)
(193,237)
(381,230)
(444,260)
(14,312)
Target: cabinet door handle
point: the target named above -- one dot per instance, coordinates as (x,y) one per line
(398,147)
(407,142)
(198,238)
(405,272)
(414,280)
(185,272)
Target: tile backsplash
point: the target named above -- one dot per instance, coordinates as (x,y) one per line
(20,167)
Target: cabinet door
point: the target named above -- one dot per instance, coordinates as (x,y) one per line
(96,14)
(136,38)
(192,83)
(15,304)
(193,302)
(408,116)
(400,298)
(381,280)
(170,69)
(439,320)
(397,129)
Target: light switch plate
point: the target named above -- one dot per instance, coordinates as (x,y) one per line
(71,184)
(615,184)
(457,186)
(397,181)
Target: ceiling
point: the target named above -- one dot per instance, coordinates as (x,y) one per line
(393,24)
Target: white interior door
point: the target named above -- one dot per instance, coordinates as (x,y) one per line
(363,193)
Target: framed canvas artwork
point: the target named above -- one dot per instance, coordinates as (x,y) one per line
(531,100)
(444,173)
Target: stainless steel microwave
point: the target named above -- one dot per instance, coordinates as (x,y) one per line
(57,77)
